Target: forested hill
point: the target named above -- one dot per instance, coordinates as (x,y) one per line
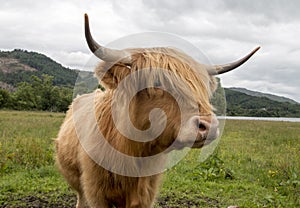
(20,65)
(241,104)
(260,94)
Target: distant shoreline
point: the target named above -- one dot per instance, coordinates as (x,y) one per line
(260,118)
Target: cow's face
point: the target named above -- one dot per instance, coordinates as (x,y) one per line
(190,120)
(164,79)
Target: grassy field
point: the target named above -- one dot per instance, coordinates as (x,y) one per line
(256,164)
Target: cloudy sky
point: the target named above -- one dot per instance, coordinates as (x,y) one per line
(224,30)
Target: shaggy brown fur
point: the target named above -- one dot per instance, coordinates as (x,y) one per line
(188,85)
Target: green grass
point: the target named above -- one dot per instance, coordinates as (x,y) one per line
(256,164)
(260,159)
(26,139)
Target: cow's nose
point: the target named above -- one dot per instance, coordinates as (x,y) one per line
(207,126)
(202,126)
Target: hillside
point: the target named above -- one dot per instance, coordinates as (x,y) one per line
(20,65)
(241,104)
(260,94)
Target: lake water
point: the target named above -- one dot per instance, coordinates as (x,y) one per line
(259,118)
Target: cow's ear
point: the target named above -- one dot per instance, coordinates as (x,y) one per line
(111,75)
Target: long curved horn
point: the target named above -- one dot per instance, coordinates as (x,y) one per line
(220,69)
(105,54)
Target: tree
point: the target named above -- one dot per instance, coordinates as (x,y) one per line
(4,98)
(24,98)
(40,94)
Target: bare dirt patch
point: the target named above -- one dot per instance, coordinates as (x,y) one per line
(9,65)
(66,201)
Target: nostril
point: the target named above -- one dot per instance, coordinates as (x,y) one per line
(206,127)
(201,127)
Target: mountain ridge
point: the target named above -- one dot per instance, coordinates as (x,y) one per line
(20,65)
(262,94)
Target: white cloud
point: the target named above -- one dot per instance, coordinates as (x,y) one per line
(75,60)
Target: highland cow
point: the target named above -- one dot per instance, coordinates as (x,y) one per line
(156,100)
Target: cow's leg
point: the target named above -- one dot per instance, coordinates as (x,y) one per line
(136,203)
(81,202)
(73,178)
(144,196)
(133,200)
(92,182)
(94,197)
(69,168)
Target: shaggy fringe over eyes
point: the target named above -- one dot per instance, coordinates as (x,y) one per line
(165,68)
